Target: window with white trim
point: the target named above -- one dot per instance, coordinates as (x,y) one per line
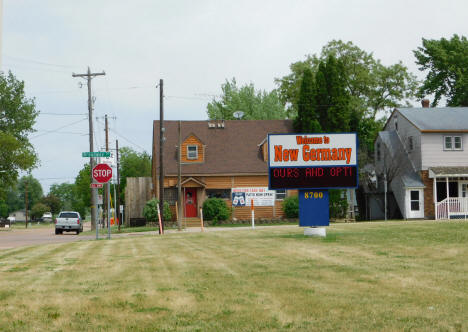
(280,193)
(453,143)
(192,152)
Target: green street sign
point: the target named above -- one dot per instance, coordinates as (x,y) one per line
(96,154)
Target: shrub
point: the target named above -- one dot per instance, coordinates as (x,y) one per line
(338,203)
(215,209)
(38,210)
(150,211)
(291,206)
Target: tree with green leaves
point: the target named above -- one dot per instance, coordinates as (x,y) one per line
(33,187)
(256,105)
(65,192)
(132,164)
(307,119)
(446,64)
(372,86)
(81,191)
(38,210)
(53,202)
(3,209)
(17,117)
(333,99)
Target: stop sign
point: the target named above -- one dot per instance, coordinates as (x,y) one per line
(102,173)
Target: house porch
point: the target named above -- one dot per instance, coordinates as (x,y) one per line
(450,192)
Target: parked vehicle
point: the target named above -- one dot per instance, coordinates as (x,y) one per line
(47,217)
(12,220)
(68,221)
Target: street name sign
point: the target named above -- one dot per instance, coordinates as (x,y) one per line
(102,173)
(96,154)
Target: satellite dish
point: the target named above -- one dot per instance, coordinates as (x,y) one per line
(238,114)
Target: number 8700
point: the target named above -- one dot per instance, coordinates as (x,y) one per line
(313,195)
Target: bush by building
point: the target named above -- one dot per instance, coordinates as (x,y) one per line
(215,209)
(291,206)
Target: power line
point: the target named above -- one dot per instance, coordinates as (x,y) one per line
(143,149)
(62,114)
(15,58)
(57,129)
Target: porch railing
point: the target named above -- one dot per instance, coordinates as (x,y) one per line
(452,208)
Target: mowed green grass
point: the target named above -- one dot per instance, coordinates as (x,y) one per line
(365,276)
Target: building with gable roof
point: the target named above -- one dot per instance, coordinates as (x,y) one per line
(217,156)
(421,153)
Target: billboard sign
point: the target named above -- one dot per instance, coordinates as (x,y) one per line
(261,196)
(312,161)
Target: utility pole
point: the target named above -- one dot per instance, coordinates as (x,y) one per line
(179,180)
(26,201)
(118,184)
(89,76)
(106,192)
(161,153)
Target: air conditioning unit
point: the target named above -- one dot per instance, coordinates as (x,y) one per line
(211,125)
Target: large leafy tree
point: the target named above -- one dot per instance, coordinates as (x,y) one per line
(333,100)
(52,202)
(372,86)
(17,117)
(446,64)
(65,193)
(33,187)
(132,164)
(307,119)
(256,105)
(81,191)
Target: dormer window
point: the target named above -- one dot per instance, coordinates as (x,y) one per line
(192,152)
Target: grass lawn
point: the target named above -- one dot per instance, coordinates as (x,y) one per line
(364,276)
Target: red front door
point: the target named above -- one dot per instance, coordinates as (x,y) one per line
(190,202)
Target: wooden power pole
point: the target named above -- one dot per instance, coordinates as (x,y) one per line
(161,153)
(89,76)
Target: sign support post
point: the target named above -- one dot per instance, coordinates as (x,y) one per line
(102,173)
(108,211)
(253,213)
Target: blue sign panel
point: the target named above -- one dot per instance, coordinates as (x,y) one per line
(313,208)
(238,199)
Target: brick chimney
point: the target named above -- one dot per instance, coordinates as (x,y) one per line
(425,103)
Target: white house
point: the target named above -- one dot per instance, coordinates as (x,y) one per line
(421,153)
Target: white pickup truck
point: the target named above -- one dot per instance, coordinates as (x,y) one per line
(68,221)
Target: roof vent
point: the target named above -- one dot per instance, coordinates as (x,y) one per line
(221,124)
(425,103)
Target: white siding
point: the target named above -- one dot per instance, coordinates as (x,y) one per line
(433,153)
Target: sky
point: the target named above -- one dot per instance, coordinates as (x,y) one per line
(194,46)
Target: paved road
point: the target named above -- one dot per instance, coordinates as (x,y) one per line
(18,237)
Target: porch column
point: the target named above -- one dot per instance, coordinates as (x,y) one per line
(434,189)
(448,196)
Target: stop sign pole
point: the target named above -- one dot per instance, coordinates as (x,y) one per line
(102,173)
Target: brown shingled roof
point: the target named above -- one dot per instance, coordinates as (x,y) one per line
(233,149)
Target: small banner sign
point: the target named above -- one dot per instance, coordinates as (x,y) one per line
(261,196)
